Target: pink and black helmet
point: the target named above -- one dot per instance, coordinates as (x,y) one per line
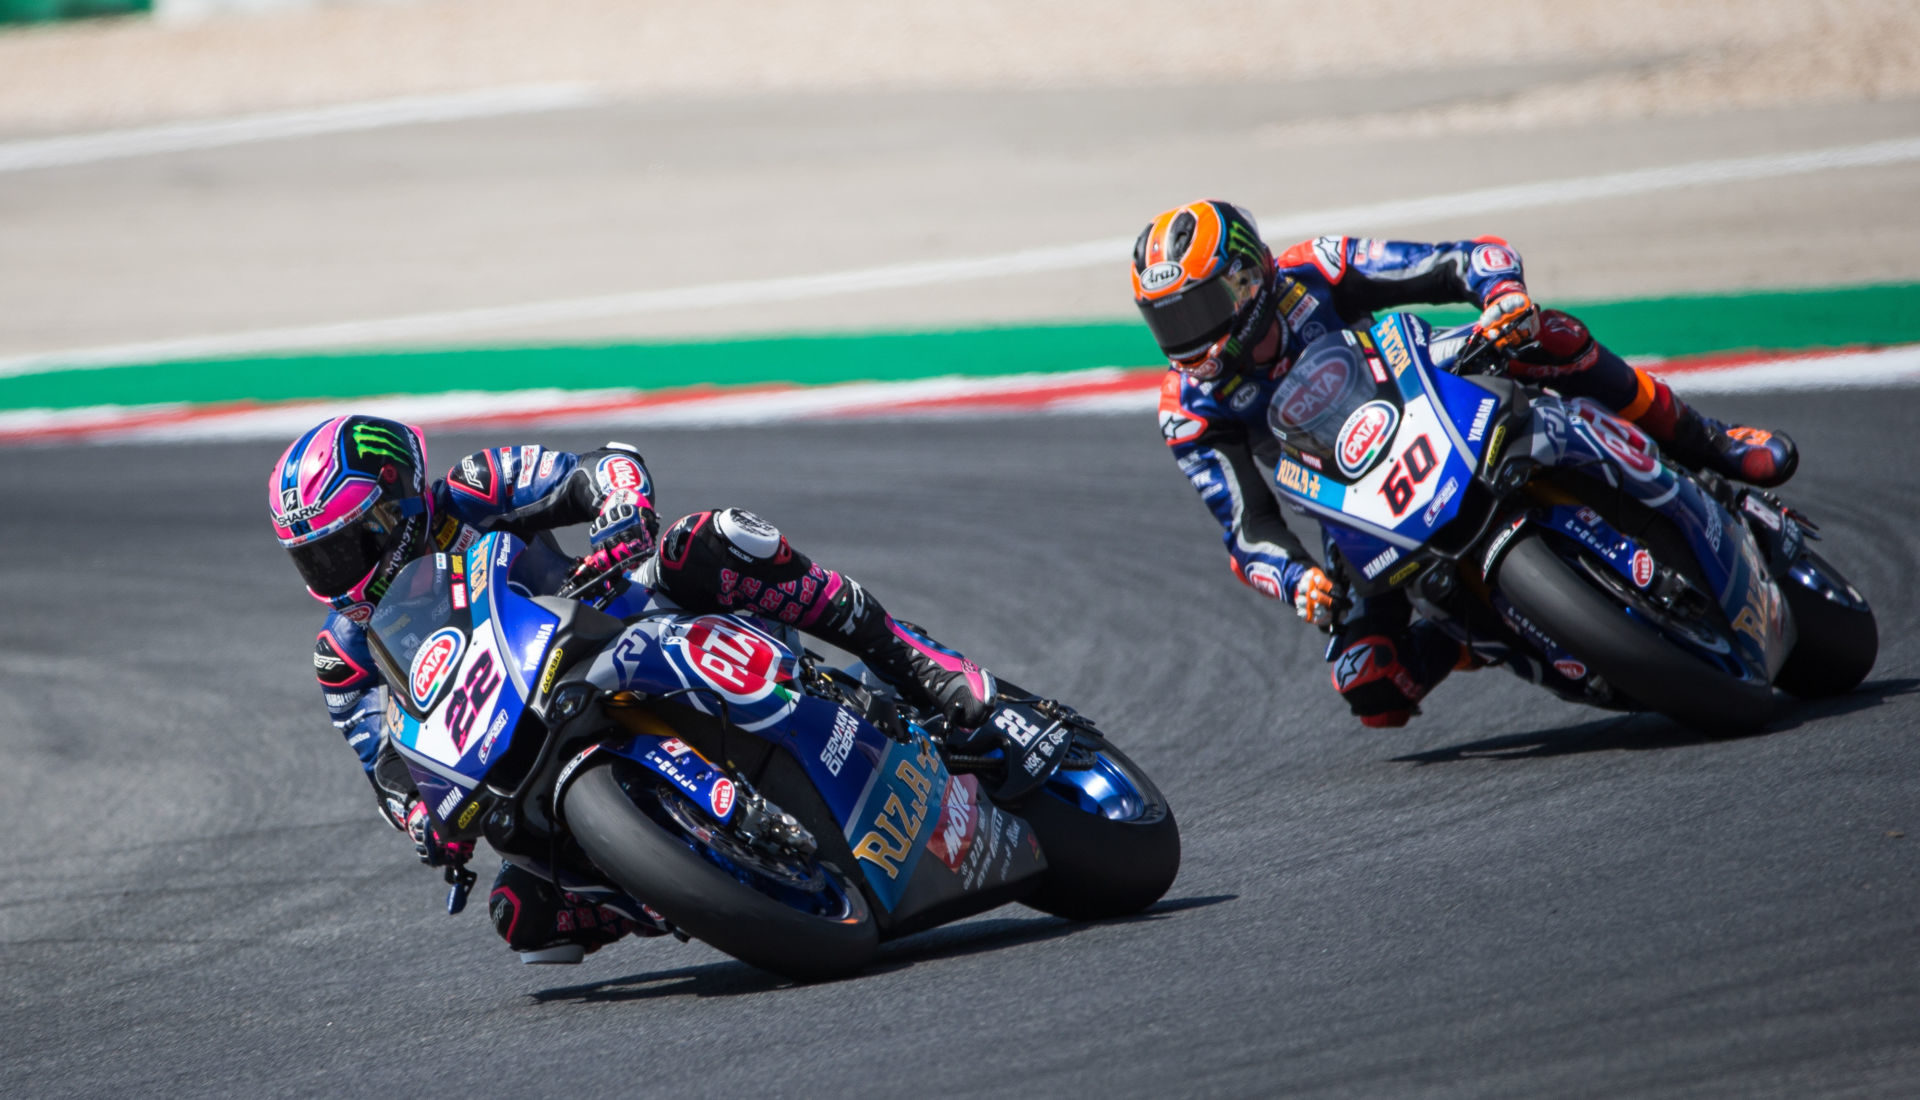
(350,503)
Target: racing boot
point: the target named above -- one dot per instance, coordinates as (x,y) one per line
(1383,678)
(927,674)
(930,675)
(1753,455)
(546,925)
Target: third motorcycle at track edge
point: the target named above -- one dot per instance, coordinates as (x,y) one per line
(1556,533)
(708,768)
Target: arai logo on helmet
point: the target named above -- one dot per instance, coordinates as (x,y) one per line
(1160,276)
(1364,436)
(434,663)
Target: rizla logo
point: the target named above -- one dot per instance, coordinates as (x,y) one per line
(377,441)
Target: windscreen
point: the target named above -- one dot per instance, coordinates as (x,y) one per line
(417,614)
(1328,385)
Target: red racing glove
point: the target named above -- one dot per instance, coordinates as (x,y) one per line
(1509,318)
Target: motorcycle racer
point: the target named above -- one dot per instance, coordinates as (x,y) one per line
(352,503)
(1231,317)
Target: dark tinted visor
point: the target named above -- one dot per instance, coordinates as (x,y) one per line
(334,564)
(1190,321)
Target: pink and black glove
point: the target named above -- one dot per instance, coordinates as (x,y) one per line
(433,851)
(605,558)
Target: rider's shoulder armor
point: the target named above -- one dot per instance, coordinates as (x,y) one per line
(497,481)
(343,659)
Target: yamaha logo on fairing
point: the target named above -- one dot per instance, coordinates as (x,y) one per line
(1160,276)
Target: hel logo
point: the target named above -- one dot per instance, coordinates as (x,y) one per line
(433,665)
(1642,568)
(1364,436)
(1309,396)
(673,746)
(1570,668)
(1159,277)
(721,797)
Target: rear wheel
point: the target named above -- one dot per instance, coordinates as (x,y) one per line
(1632,657)
(1111,843)
(1838,638)
(795,917)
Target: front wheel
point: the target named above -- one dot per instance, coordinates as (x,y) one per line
(1111,843)
(1635,659)
(797,918)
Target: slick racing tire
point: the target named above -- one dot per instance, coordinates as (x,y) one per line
(1108,834)
(1635,659)
(665,868)
(1836,644)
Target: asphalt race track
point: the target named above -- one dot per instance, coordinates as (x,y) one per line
(1511,897)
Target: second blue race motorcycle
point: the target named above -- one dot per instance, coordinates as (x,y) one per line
(1556,535)
(710,769)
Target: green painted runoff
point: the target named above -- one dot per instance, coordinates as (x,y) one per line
(1674,326)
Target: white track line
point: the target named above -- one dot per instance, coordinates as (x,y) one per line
(59,152)
(466,322)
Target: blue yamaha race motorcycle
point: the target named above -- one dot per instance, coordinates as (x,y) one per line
(708,768)
(1553,534)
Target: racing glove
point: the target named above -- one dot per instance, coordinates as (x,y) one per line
(433,851)
(607,557)
(1509,318)
(1313,597)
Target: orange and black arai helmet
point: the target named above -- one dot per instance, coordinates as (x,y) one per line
(1203,279)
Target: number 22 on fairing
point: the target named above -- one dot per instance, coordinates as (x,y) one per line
(445,734)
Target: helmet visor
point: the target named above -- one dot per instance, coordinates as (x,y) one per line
(1189,322)
(334,564)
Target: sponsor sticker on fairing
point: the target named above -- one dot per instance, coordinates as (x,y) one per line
(1480,418)
(959,822)
(434,664)
(1380,562)
(1642,568)
(492,735)
(840,743)
(1364,436)
(720,798)
(1570,668)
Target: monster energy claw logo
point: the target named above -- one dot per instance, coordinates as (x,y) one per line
(374,440)
(1241,242)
